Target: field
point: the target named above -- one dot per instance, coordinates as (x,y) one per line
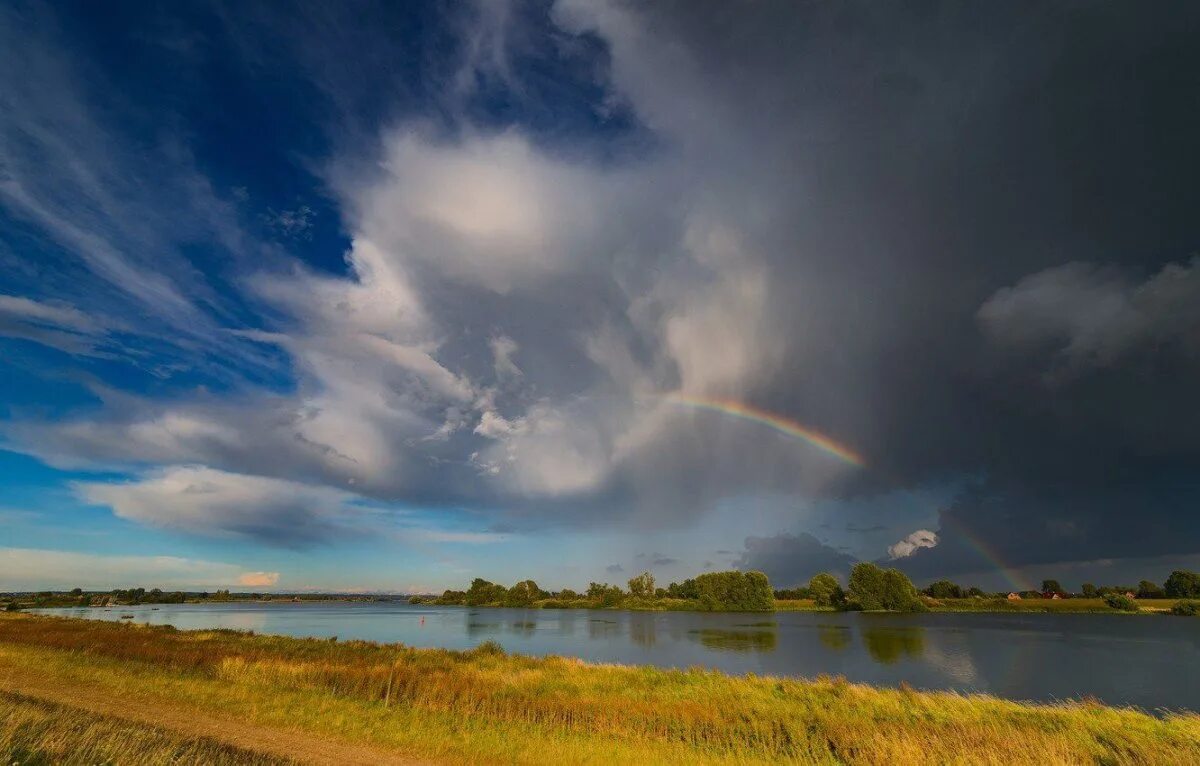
(182,693)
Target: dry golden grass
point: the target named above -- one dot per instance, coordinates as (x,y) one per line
(37,732)
(520,708)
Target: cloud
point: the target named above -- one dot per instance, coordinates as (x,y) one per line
(1085,315)
(922,538)
(736,203)
(614,568)
(503,348)
(789,559)
(258,579)
(216,503)
(38,569)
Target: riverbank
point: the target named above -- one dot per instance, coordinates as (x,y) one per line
(486,706)
(982,605)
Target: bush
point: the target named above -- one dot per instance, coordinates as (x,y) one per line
(490,648)
(1120,601)
(1186,608)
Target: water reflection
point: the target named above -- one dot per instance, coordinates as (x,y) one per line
(483,628)
(600,628)
(835,637)
(736,640)
(1151,662)
(643,629)
(889,645)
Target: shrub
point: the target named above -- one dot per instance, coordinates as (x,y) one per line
(489,648)
(1120,601)
(1186,608)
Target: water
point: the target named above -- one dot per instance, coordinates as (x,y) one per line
(1152,662)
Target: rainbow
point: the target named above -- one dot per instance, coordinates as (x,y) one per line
(770,419)
(1015,579)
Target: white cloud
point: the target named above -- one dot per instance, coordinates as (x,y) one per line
(211,502)
(922,538)
(38,569)
(258,579)
(503,348)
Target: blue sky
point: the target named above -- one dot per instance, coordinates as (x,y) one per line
(390,296)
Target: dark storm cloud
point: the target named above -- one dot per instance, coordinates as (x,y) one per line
(985,197)
(792,559)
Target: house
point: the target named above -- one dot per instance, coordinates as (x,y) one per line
(1014,596)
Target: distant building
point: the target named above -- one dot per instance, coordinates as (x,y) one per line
(1051,594)
(1014,596)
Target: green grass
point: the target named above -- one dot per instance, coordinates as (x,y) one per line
(487,706)
(34,732)
(1063,605)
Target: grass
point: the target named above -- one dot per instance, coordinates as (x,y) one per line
(1063,605)
(35,732)
(487,706)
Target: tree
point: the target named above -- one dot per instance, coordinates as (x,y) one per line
(1183,584)
(686,589)
(974,592)
(607,595)
(943,589)
(1051,586)
(642,586)
(824,589)
(735,591)
(866,586)
(875,589)
(77,591)
(523,593)
(1147,589)
(484,592)
(566,594)
(1089,590)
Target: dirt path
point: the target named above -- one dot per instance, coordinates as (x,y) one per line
(296,745)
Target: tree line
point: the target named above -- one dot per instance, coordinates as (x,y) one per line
(731,591)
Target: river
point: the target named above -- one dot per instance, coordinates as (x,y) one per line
(1152,662)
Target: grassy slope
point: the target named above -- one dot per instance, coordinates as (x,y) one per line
(481,706)
(36,732)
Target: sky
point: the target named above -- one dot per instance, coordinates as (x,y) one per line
(388,296)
